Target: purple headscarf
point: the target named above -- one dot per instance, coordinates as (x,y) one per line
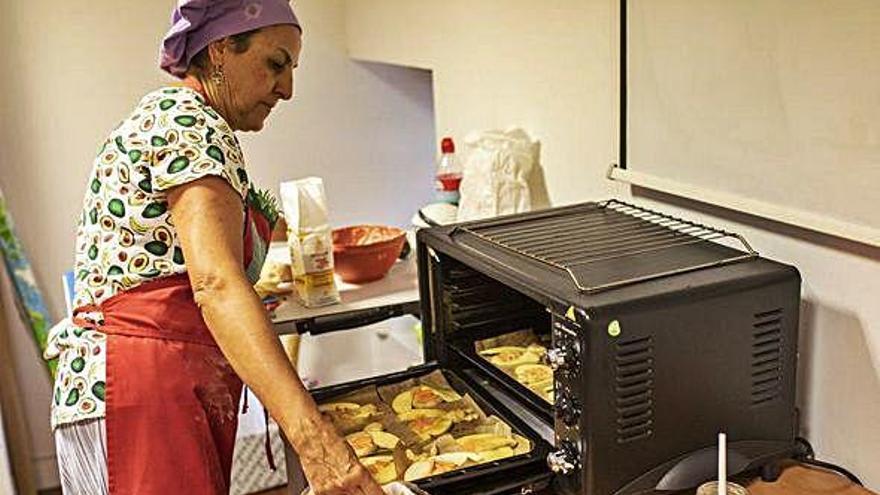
(196,23)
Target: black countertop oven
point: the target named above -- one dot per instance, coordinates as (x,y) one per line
(660,332)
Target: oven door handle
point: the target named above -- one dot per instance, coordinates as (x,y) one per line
(531,485)
(355,319)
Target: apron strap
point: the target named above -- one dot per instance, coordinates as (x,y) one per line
(269,456)
(244,406)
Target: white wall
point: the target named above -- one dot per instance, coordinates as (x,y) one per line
(499,63)
(552,70)
(73,70)
(730,96)
(366,128)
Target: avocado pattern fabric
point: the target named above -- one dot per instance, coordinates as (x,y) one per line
(125,235)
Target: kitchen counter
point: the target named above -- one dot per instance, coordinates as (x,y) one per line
(395,295)
(800,479)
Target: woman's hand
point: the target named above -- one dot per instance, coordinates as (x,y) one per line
(329,463)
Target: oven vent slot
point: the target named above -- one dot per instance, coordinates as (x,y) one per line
(767,348)
(634,389)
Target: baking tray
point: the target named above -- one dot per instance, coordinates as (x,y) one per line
(502,477)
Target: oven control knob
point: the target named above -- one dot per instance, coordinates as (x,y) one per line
(559,359)
(568,410)
(563,461)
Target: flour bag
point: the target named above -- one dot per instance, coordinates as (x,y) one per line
(310,240)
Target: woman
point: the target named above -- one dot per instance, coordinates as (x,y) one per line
(169,244)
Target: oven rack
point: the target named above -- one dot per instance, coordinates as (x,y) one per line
(612,243)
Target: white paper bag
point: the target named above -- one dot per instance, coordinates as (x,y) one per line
(502,175)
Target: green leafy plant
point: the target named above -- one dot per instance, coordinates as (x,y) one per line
(266,203)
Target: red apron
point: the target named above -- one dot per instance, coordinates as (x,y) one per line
(171,398)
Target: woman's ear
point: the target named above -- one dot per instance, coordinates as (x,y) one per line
(217,52)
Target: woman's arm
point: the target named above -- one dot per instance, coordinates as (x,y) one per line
(208,217)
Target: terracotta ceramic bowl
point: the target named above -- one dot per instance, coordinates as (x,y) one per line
(364,253)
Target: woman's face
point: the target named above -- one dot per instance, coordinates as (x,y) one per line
(261,75)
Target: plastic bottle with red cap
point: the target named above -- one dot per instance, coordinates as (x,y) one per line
(449,173)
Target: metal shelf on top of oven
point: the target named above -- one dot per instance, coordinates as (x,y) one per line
(612,243)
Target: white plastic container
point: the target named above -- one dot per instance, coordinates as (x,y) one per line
(711,488)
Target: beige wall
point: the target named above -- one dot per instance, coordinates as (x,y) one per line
(552,70)
(72,70)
